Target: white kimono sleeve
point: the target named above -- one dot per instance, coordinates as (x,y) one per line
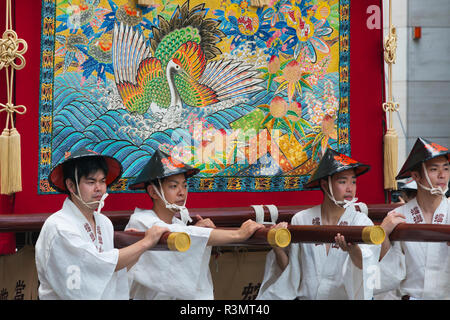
(76,270)
(360,283)
(175,274)
(281,285)
(392,269)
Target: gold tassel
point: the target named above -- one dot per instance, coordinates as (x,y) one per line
(390,159)
(390,138)
(14,165)
(4,151)
(11,59)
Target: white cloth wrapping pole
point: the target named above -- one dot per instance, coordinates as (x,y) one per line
(273,212)
(259,213)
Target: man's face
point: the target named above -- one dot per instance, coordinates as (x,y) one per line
(92,187)
(175,189)
(438,170)
(344,185)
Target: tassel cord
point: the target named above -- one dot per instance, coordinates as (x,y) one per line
(389,107)
(9,107)
(10,53)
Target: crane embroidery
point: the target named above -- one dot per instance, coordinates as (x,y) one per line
(177,68)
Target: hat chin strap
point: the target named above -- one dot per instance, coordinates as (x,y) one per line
(184,213)
(100,204)
(432,190)
(343,204)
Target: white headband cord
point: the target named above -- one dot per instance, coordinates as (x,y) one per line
(100,204)
(184,213)
(432,190)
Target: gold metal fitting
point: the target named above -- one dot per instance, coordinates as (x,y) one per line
(279,237)
(179,241)
(373,235)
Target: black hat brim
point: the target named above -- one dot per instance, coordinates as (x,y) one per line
(56,176)
(360,169)
(419,153)
(334,162)
(161,165)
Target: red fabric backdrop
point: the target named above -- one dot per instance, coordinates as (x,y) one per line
(366,124)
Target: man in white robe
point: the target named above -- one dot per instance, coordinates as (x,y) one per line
(175,275)
(420,270)
(75,254)
(326,271)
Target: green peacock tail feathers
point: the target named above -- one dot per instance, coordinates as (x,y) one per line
(186,25)
(173,41)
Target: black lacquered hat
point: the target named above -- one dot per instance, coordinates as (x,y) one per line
(422,151)
(56,176)
(161,165)
(333,162)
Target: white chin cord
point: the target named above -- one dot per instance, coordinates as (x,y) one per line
(184,213)
(432,190)
(345,203)
(91,205)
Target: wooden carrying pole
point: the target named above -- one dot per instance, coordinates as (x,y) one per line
(235,216)
(222,217)
(177,241)
(421,232)
(403,232)
(275,237)
(173,241)
(326,234)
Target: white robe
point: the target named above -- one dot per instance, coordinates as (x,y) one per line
(418,269)
(312,274)
(169,274)
(73,263)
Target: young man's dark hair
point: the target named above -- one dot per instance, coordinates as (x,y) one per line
(87,162)
(84,166)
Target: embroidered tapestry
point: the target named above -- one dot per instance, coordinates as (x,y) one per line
(250,95)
